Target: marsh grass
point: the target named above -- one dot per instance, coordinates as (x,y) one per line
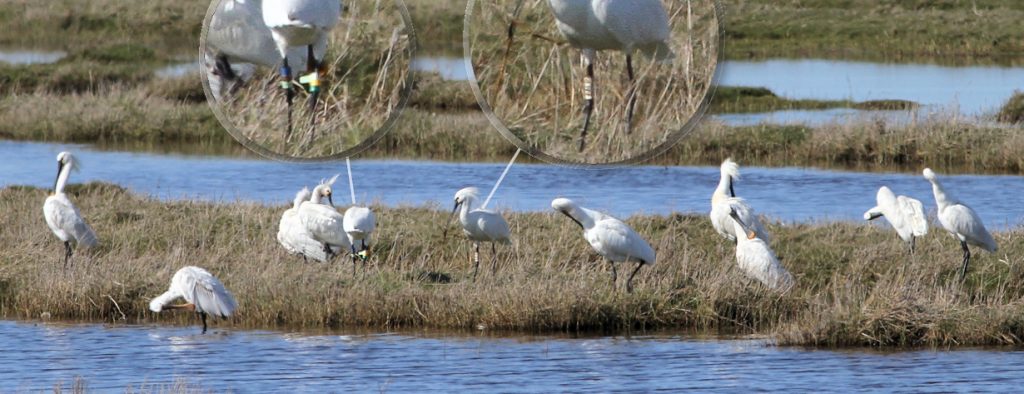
(1013,110)
(368,59)
(536,90)
(742,99)
(857,285)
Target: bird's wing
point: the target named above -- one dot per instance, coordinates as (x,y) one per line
(618,239)
(748,216)
(324,223)
(237,30)
(964,221)
(66,217)
(322,14)
(360,219)
(721,221)
(637,23)
(494,226)
(758,261)
(913,214)
(208,293)
(296,240)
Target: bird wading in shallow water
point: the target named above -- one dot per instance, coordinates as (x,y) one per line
(203,294)
(961,221)
(301,23)
(905,214)
(621,25)
(724,202)
(480,225)
(62,216)
(610,237)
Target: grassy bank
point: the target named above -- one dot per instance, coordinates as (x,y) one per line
(741,99)
(856,283)
(1013,110)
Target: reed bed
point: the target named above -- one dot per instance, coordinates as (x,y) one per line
(367,83)
(534,83)
(856,283)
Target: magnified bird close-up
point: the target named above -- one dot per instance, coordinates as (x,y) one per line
(307,78)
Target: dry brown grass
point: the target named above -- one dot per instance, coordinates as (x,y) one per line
(536,91)
(368,59)
(857,285)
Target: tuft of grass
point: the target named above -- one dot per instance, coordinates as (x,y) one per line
(1013,110)
(856,283)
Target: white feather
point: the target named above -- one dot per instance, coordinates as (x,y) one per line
(60,213)
(623,25)
(959,219)
(905,214)
(610,237)
(200,288)
(757,260)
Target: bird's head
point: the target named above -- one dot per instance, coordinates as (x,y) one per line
(64,159)
(324,189)
(735,216)
(464,195)
(929,174)
(567,207)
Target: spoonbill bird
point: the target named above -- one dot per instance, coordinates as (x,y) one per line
(298,23)
(756,258)
(202,292)
(905,214)
(237,40)
(359,225)
(480,225)
(293,235)
(323,222)
(610,237)
(62,216)
(961,221)
(622,25)
(724,201)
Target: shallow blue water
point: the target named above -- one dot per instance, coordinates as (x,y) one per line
(788,194)
(36,356)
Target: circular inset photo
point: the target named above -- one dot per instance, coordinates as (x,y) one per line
(593,82)
(307,79)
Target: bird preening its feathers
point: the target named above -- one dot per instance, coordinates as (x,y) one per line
(203,294)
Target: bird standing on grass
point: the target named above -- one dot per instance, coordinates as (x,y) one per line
(724,202)
(961,221)
(292,234)
(621,25)
(480,225)
(62,216)
(359,223)
(323,222)
(298,23)
(202,292)
(610,237)
(905,214)
(756,258)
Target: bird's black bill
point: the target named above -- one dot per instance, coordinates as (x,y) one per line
(330,200)
(732,192)
(60,166)
(874,216)
(450,217)
(736,217)
(573,219)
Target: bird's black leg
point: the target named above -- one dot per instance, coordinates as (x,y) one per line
(967,260)
(629,283)
(353,261)
(631,95)
(289,93)
(314,88)
(476,258)
(67,253)
(328,252)
(494,259)
(202,315)
(588,103)
(615,274)
(913,239)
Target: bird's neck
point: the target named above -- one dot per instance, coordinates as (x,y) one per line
(941,198)
(466,207)
(62,179)
(724,189)
(586,217)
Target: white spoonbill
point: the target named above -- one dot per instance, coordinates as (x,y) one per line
(961,221)
(359,225)
(237,40)
(323,222)
(62,216)
(724,201)
(905,214)
(202,292)
(480,225)
(293,235)
(756,258)
(622,25)
(301,23)
(610,237)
